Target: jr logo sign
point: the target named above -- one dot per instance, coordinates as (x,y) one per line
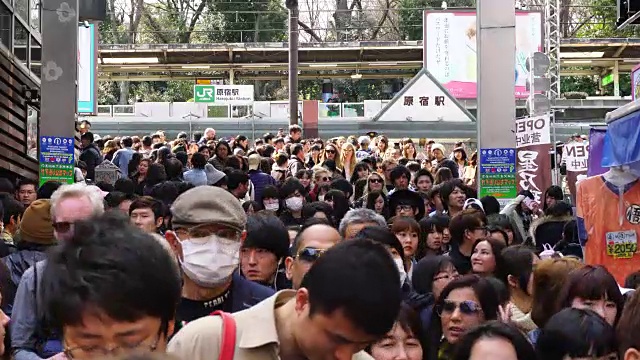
(204,93)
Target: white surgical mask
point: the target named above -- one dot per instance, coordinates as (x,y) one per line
(210,261)
(272,206)
(321,198)
(401,271)
(294,203)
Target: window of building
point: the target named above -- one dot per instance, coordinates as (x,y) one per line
(21,7)
(36,57)
(5,25)
(34,12)
(32,132)
(21,43)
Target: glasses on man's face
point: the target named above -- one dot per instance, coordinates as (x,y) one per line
(448,277)
(62,226)
(309,254)
(467,307)
(207,230)
(94,351)
(483,229)
(404,208)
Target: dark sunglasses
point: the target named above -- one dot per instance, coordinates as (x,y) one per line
(62,226)
(309,254)
(466,307)
(375,181)
(330,151)
(327,178)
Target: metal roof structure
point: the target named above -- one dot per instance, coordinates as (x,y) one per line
(268,61)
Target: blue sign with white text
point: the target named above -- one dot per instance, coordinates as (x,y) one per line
(498,161)
(57,150)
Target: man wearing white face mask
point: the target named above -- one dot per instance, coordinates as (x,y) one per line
(293,195)
(208,229)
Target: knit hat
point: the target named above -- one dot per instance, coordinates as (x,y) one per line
(36,226)
(438,147)
(208,205)
(213,175)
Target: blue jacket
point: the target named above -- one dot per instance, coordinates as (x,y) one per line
(260,180)
(247,293)
(122,158)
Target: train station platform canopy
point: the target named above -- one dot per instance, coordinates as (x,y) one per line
(370,59)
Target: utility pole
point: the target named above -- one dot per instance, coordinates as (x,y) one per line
(294,13)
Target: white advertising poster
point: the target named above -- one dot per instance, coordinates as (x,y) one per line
(87,69)
(533,131)
(450,49)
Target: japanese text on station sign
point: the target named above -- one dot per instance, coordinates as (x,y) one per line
(424,100)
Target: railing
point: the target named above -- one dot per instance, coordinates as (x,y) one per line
(280,109)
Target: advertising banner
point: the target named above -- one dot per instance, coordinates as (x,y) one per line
(533,141)
(56,159)
(87,54)
(576,157)
(450,52)
(498,173)
(635,83)
(596,144)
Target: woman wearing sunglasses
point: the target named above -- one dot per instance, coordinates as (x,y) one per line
(463,304)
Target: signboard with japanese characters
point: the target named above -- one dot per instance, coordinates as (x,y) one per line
(498,173)
(533,131)
(576,156)
(424,99)
(533,143)
(56,159)
(576,159)
(224,94)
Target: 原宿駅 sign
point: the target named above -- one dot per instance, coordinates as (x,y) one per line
(223,94)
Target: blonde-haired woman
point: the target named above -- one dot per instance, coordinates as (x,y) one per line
(110,148)
(332,152)
(348,159)
(375,182)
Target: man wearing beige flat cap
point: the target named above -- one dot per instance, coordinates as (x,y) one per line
(208,228)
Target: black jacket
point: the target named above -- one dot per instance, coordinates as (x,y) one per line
(92,157)
(451,165)
(460,261)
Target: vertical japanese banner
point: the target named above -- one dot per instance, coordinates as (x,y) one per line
(533,142)
(576,156)
(596,144)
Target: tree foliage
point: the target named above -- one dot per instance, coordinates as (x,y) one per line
(234,21)
(411,11)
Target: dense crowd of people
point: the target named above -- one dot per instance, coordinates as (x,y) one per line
(343,248)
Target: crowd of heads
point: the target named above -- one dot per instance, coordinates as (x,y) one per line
(385,244)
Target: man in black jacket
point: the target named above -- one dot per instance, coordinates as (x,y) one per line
(91,154)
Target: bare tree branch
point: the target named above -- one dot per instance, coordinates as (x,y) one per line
(157,29)
(309,31)
(384,17)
